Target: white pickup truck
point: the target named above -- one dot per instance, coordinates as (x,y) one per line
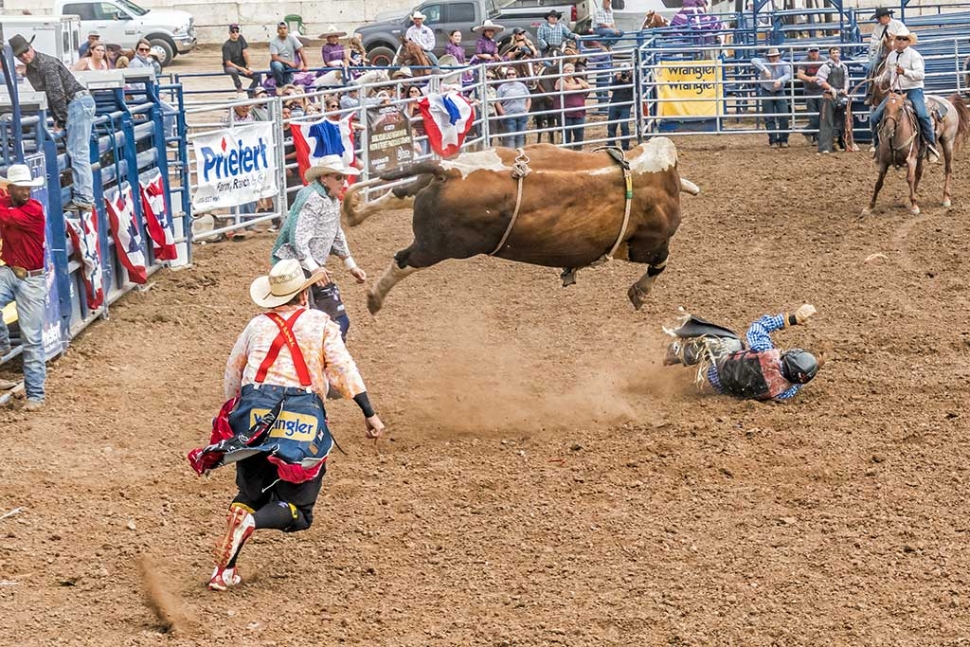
(122,22)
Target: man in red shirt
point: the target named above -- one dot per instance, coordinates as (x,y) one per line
(22,276)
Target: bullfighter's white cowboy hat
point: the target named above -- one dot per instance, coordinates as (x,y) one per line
(404,71)
(333,31)
(329,164)
(488,25)
(19,175)
(417,15)
(284,281)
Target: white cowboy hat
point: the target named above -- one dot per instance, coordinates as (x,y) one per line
(904,32)
(448,60)
(19,175)
(417,15)
(333,31)
(488,25)
(773,52)
(404,71)
(329,164)
(284,281)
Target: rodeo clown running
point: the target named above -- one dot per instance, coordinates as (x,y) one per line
(274,423)
(758,372)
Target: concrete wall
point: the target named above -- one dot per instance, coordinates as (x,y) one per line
(257,17)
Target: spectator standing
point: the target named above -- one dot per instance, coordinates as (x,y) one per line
(96,59)
(22,277)
(621,101)
(552,34)
(806,73)
(93,36)
(775,76)
(604,25)
(286,56)
(486,49)
(833,79)
(514,103)
(235,60)
(334,54)
(72,108)
(423,35)
(575,90)
(413,112)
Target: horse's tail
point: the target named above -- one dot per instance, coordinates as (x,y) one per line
(963,113)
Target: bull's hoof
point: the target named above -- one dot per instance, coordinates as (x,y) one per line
(636,296)
(568,277)
(374,303)
(947,204)
(865,212)
(914,210)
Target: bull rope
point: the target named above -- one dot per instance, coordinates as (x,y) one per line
(520,168)
(618,157)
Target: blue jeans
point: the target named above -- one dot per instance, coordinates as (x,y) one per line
(575,132)
(282,74)
(621,113)
(915,97)
(30,294)
(608,34)
(514,127)
(775,109)
(80,123)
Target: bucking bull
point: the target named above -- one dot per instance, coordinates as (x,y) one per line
(541,205)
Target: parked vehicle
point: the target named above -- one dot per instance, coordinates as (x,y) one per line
(59,36)
(381,39)
(122,22)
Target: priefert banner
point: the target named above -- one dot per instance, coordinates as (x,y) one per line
(234,167)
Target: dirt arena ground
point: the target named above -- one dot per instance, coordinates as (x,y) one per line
(546,481)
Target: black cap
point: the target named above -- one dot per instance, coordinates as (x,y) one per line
(553,13)
(19,44)
(518,30)
(798,366)
(880,12)
(234,27)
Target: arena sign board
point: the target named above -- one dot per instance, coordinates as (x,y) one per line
(234,167)
(683,86)
(389,139)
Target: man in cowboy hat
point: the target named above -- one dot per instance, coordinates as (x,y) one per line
(882,37)
(775,76)
(22,276)
(423,35)
(334,54)
(905,72)
(552,33)
(274,424)
(71,106)
(235,60)
(312,234)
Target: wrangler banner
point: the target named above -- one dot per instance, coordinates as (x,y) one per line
(234,167)
(682,86)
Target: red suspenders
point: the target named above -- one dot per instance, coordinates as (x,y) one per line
(286,337)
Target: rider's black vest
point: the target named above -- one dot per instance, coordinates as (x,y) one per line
(836,77)
(741,375)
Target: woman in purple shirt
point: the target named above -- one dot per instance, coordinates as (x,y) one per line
(454,46)
(486,49)
(334,54)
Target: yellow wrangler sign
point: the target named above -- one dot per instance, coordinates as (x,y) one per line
(299,427)
(683,86)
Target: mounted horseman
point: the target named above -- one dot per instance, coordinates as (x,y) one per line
(881,41)
(540,205)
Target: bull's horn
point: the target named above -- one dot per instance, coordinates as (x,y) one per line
(689,187)
(415,169)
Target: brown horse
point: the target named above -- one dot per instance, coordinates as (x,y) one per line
(952,131)
(898,146)
(654,20)
(414,56)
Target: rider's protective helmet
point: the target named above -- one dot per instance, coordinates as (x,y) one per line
(798,366)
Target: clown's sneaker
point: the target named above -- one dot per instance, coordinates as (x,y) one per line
(240,527)
(224,578)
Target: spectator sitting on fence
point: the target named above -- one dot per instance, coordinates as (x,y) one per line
(575,90)
(235,60)
(486,49)
(775,76)
(421,34)
(93,37)
(96,59)
(357,55)
(334,54)
(454,46)
(833,78)
(145,58)
(621,101)
(514,103)
(604,25)
(806,72)
(72,107)
(22,277)
(312,234)
(286,56)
